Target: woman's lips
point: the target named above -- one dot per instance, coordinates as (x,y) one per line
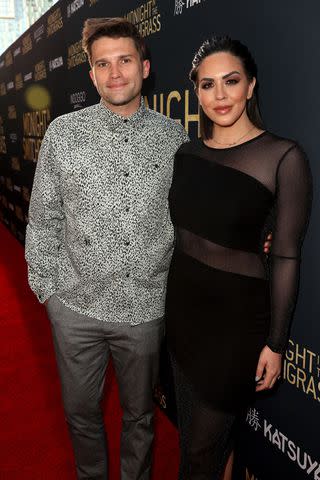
(222,110)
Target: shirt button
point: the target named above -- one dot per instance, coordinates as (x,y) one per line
(126,174)
(127,209)
(126,140)
(128,275)
(125,120)
(127,243)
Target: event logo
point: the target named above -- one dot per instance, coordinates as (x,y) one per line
(55,63)
(26,193)
(19,213)
(26,44)
(10,86)
(18,81)
(146,18)
(76,55)
(175,101)
(17,51)
(9,184)
(40,71)
(3,146)
(3,90)
(38,33)
(74,6)
(54,22)
(301,368)
(27,77)
(12,112)
(35,124)
(15,164)
(8,60)
(4,201)
(180,5)
(77,99)
(286,446)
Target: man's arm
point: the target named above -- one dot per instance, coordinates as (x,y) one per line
(44,231)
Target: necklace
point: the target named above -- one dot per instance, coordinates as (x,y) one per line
(237,141)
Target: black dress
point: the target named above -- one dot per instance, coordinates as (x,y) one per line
(222,306)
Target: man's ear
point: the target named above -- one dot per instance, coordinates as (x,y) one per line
(145,68)
(91,73)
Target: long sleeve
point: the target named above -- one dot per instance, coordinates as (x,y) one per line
(293,203)
(43,235)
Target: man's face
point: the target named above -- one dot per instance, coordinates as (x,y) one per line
(118,72)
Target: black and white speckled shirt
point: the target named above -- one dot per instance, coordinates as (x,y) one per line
(99,232)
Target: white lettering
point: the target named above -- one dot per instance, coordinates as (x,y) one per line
(267,430)
(312,465)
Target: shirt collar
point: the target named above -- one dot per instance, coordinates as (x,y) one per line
(115,120)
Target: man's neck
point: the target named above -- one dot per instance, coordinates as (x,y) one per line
(124,110)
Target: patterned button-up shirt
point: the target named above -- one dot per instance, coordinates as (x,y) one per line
(99,233)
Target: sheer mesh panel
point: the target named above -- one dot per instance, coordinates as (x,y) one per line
(216,256)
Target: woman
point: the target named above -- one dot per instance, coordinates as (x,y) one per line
(227,323)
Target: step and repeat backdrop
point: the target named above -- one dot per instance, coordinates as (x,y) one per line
(45,74)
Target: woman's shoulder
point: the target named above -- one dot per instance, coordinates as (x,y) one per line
(190,148)
(282,144)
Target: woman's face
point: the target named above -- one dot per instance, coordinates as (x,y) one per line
(223,88)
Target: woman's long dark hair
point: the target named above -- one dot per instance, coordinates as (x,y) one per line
(234,47)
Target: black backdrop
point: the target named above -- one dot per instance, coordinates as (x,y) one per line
(44,74)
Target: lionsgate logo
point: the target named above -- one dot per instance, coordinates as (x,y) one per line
(180,5)
(74,6)
(27,76)
(13,137)
(77,99)
(38,33)
(55,63)
(286,446)
(17,51)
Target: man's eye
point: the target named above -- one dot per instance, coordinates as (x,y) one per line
(126,60)
(102,64)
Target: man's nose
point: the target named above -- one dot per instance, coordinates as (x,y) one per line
(115,72)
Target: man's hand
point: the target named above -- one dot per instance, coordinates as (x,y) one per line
(268,369)
(267,244)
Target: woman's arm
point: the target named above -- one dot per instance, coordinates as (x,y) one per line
(293,204)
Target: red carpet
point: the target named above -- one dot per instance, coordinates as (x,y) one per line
(34,442)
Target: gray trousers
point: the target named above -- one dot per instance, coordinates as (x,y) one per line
(83,346)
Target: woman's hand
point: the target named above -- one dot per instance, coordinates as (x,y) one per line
(268,369)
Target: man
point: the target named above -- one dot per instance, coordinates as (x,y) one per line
(99,244)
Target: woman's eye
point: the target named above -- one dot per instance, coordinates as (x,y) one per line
(206,85)
(232,81)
